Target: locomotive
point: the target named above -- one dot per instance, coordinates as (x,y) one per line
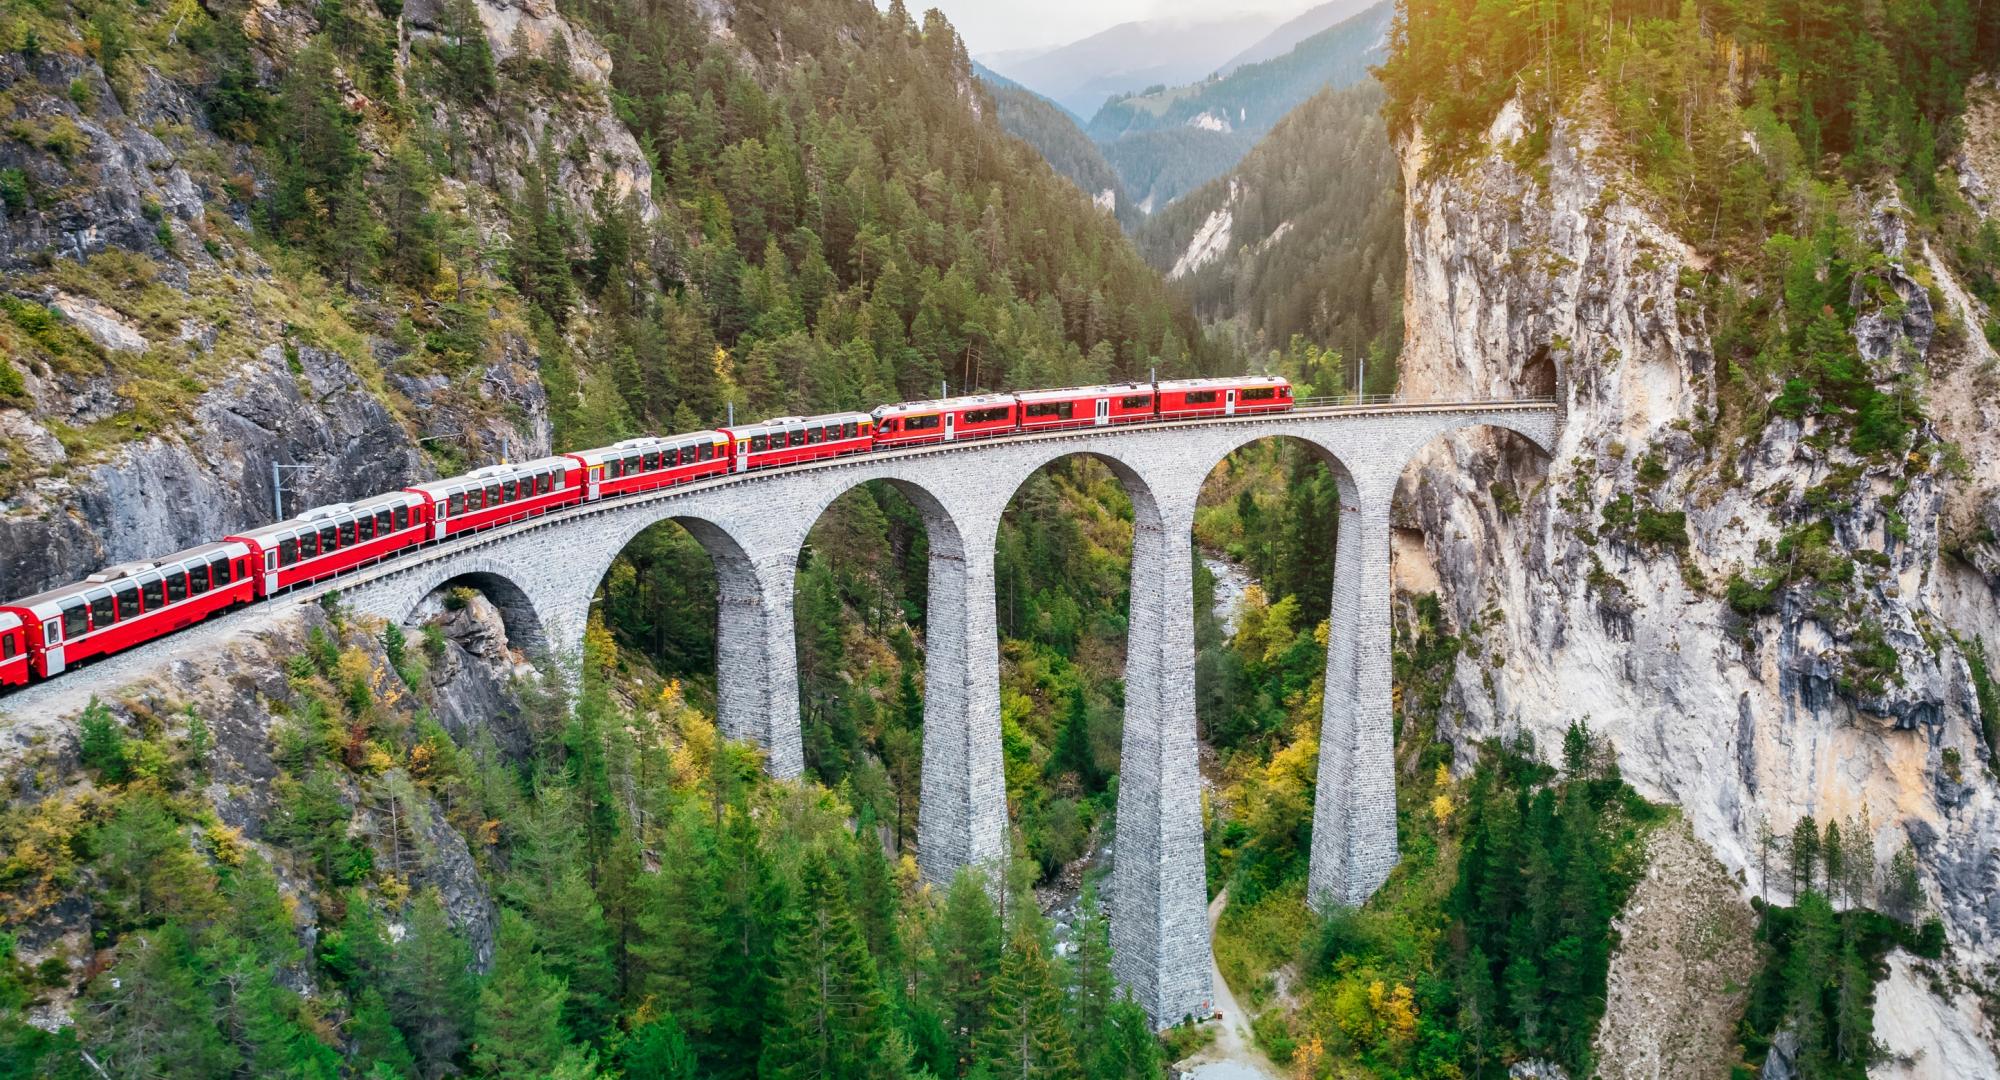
(124,606)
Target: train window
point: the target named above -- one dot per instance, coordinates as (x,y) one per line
(1136,401)
(1260,393)
(7,647)
(848,430)
(812,435)
(455,504)
(920,423)
(349,533)
(177,588)
(557,481)
(198,580)
(155,593)
(987,416)
(288,551)
(402,517)
(708,451)
(1284,391)
(220,569)
(1200,397)
(631,464)
(651,461)
(757,442)
(102,611)
(329,539)
(75,620)
(1041,408)
(128,602)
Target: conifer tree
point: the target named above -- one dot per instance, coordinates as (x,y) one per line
(828,1016)
(151,1016)
(518,1032)
(965,959)
(1027,1036)
(431,992)
(658,1050)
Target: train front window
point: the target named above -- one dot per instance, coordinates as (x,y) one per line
(75,621)
(177,588)
(128,603)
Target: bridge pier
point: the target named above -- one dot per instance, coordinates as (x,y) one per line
(1159,894)
(1354,809)
(756,657)
(962,813)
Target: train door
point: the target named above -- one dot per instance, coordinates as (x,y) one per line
(950,426)
(1103,411)
(1229,403)
(596,480)
(52,647)
(270,570)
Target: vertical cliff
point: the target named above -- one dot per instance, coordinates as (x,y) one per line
(1766,623)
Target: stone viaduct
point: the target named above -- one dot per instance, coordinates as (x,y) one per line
(542,575)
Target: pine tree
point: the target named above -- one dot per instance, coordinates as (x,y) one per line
(1128,1050)
(1027,1036)
(518,1033)
(657,1050)
(1094,985)
(150,1015)
(431,993)
(828,1016)
(675,949)
(965,959)
(378,1046)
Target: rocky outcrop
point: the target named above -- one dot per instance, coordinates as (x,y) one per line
(1557,279)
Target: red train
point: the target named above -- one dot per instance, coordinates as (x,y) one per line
(122,606)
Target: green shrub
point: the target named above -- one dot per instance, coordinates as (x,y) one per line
(1750,599)
(1664,527)
(14,189)
(101,743)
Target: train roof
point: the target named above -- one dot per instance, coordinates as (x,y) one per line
(786,423)
(1228,381)
(482,477)
(320,516)
(969,401)
(50,603)
(648,442)
(1082,391)
(9,621)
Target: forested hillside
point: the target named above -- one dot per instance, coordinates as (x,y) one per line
(1304,237)
(1054,134)
(1168,140)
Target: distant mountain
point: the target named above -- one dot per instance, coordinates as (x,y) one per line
(1303,237)
(1165,142)
(1054,132)
(1289,36)
(1080,76)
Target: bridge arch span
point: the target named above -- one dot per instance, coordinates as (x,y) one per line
(528,618)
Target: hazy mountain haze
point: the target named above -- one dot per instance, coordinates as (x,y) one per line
(992,29)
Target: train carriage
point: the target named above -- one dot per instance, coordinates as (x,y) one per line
(327,540)
(1191,398)
(652,462)
(916,423)
(499,494)
(789,440)
(1085,406)
(122,606)
(13,649)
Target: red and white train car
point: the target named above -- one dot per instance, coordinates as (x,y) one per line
(122,606)
(326,540)
(1188,398)
(499,494)
(789,440)
(1085,406)
(652,462)
(916,423)
(13,649)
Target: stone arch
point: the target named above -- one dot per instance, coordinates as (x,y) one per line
(528,624)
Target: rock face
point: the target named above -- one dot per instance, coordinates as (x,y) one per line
(1562,283)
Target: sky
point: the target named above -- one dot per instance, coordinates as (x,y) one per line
(992,25)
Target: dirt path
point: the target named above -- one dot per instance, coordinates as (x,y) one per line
(1234,1054)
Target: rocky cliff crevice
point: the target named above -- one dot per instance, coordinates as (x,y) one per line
(1625,571)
